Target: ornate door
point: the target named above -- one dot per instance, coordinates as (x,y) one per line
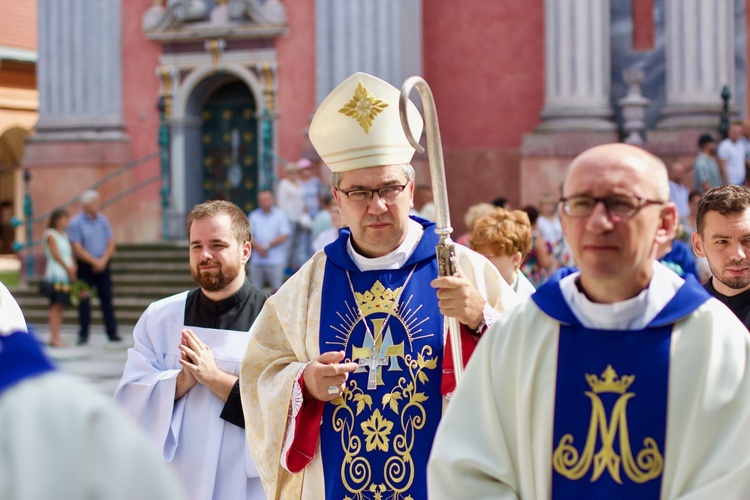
(230,146)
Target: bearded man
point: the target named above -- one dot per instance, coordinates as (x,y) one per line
(722,236)
(181,377)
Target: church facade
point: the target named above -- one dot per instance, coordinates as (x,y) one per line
(520,89)
(19,101)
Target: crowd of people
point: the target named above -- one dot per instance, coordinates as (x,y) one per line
(314,359)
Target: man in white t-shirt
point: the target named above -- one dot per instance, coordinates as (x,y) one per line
(271,230)
(732,154)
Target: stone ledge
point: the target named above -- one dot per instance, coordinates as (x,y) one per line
(563,144)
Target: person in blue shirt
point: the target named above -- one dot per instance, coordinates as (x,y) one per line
(271,230)
(90,236)
(678,256)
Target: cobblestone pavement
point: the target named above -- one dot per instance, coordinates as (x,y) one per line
(100,361)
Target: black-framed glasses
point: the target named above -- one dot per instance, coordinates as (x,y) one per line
(389,194)
(622,206)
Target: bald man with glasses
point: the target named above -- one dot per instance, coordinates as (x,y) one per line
(619,380)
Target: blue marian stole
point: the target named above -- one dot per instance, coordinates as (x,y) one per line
(611,401)
(20,358)
(375,442)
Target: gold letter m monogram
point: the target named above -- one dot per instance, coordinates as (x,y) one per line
(646,466)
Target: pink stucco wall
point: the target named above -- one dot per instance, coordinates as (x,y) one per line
(485,64)
(296,73)
(140,58)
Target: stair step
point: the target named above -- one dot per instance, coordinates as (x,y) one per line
(152,292)
(178,280)
(180,245)
(70,317)
(150,267)
(161,257)
(141,274)
(125,301)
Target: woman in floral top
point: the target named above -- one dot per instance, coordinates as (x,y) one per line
(60,272)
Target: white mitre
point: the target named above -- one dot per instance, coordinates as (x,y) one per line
(358,125)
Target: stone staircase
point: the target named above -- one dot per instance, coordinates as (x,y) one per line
(141,274)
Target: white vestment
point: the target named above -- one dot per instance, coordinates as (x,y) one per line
(521,285)
(11,317)
(285,337)
(62,440)
(209,453)
(496,438)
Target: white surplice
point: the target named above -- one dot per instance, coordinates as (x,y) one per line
(495,440)
(11,317)
(60,439)
(210,454)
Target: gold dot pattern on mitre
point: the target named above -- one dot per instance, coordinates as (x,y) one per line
(363,107)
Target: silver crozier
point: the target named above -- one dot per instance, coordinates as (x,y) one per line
(446,255)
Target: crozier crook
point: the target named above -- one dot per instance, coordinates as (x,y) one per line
(445,248)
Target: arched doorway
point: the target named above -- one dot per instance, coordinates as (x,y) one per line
(230,145)
(208,105)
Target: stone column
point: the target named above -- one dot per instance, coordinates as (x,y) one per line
(381,37)
(80,70)
(700,54)
(577,66)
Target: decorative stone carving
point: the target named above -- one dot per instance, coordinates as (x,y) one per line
(633,107)
(274,11)
(271,12)
(188,10)
(237,9)
(193,20)
(268,72)
(167,80)
(215,47)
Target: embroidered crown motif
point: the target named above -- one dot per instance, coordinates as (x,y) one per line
(377,299)
(363,107)
(609,381)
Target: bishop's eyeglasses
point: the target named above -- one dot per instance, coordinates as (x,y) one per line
(389,194)
(622,206)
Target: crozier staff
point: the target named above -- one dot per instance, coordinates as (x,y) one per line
(341,381)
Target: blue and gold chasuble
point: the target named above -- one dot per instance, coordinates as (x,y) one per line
(376,439)
(611,400)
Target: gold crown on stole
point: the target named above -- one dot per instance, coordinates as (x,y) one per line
(609,381)
(377,299)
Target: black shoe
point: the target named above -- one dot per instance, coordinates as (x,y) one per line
(82,341)
(115,338)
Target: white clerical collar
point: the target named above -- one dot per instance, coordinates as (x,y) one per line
(394,260)
(631,314)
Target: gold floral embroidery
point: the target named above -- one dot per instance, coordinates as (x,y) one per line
(363,107)
(384,433)
(376,430)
